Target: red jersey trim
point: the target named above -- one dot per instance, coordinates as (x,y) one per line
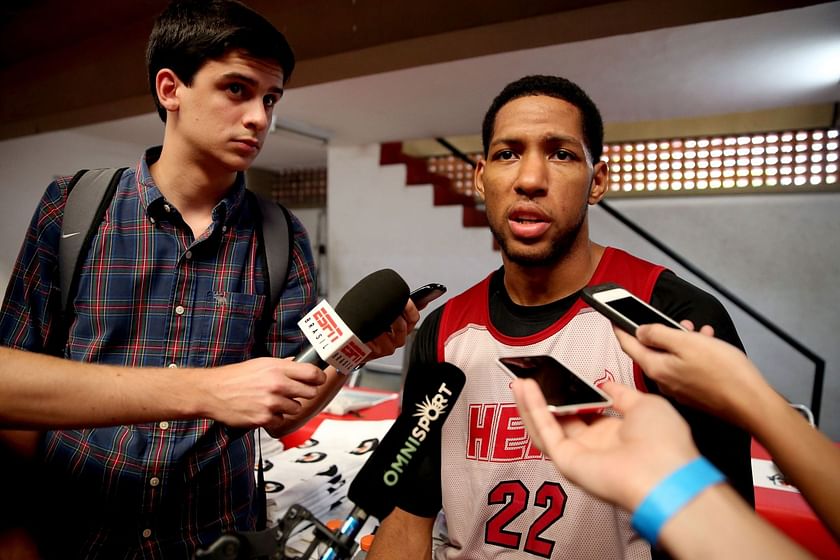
(472,307)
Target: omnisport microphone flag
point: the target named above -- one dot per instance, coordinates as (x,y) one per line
(414,434)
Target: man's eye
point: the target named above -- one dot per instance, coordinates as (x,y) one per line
(236,89)
(270,100)
(505,155)
(564,155)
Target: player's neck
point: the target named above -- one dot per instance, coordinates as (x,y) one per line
(539,285)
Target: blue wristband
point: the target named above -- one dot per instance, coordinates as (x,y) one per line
(671,495)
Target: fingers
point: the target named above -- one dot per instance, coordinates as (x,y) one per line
(661,337)
(411,314)
(707,330)
(395,336)
(647,358)
(629,343)
(624,397)
(539,422)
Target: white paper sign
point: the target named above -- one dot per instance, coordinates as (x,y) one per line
(767,475)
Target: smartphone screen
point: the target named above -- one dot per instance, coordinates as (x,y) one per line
(623,308)
(565,392)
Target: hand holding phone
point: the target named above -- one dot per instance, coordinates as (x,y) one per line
(565,391)
(624,309)
(424,295)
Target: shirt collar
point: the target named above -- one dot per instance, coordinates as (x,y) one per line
(153,201)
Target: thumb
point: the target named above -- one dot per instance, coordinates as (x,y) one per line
(624,397)
(660,337)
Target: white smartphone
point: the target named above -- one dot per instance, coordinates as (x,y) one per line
(565,391)
(624,309)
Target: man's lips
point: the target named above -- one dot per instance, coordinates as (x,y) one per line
(252,143)
(528,223)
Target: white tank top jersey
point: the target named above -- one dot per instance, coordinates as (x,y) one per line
(502,498)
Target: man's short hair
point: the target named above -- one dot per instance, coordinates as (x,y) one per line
(188,33)
(551,86)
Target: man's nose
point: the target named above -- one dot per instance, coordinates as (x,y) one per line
(532,179)
(257,116)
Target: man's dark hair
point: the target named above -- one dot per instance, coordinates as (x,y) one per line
(188,33)
(551,86)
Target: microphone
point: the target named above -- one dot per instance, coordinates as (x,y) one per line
(414,433)
(337,336)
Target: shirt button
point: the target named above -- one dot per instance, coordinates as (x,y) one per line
(179,310)
(164,425)
(147,533)
(152,220)
(154,481)
(167,208)
(188,255)
(172,365)
(224,228)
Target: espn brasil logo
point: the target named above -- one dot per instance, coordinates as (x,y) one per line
(428,412)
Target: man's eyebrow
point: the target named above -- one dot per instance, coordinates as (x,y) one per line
(239,76)
(547,139)
(250,81)
(507,141)
(562,139)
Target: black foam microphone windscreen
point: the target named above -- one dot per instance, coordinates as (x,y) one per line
(413,435)
(368,309)
(373,303)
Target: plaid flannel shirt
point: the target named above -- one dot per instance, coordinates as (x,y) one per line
(150,294)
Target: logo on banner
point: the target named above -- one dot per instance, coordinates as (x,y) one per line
(332,339)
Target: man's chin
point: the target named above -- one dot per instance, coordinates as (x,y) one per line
(238,164)
(537,255)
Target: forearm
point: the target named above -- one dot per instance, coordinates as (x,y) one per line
(403,535)
(808,459)
(38,391)
(717,524)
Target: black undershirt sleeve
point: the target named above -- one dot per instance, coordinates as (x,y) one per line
(725,445)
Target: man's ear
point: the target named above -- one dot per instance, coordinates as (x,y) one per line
(166,87)
(600,183)
(478,177)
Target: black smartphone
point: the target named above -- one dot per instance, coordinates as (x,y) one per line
(565,391)
(424,295)
(624,309)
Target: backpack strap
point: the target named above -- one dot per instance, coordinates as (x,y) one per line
(274,232)
(88,195)
(275,236)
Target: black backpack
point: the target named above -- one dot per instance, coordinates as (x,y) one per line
(89,194)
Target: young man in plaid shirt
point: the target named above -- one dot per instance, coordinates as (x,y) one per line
(174,278)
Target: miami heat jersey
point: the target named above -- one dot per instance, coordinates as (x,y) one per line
(501,497)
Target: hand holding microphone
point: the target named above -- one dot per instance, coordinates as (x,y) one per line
(376,310)
(339,337)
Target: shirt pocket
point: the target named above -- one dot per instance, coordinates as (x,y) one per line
(227,326)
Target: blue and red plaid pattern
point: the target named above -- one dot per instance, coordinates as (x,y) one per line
(150,294)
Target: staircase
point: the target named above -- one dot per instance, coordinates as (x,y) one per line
(417,173)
